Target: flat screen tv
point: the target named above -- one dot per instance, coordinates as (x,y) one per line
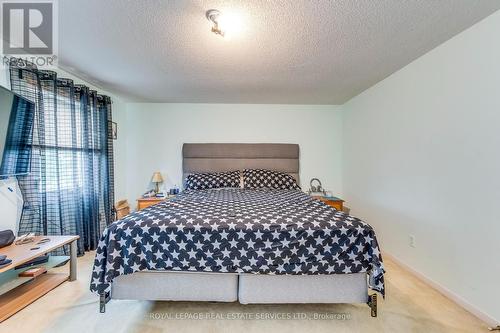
(16,133)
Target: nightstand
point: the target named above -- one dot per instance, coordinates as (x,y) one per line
(335,202)
(146,202)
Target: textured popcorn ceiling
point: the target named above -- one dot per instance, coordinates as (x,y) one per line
(297,51)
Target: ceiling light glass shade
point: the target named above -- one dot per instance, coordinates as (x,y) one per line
(231,24)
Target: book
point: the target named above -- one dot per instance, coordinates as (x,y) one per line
(33,272)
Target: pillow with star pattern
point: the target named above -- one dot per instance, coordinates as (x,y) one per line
(260,178)
(203,181)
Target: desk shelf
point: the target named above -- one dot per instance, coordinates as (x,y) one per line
(18,298)
(11,279)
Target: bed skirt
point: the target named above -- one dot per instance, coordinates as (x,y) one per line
(245,288)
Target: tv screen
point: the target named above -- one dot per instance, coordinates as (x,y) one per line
(16,130)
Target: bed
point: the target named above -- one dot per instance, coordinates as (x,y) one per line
(232,244)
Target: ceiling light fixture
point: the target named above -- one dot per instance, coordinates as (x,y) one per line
(213,16)
(225,25)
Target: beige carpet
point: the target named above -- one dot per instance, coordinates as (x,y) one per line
(411,306)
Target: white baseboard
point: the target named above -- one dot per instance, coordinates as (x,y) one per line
(446,292)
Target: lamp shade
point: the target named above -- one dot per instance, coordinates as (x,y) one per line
(157,178)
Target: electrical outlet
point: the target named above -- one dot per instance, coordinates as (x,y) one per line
(412,240)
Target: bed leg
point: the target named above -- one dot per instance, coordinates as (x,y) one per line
(103,299)
(372,303)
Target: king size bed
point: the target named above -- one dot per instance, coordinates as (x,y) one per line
(257,244)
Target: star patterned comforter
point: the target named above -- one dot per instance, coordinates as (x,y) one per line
(241,231)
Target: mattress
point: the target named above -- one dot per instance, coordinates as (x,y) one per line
(271,232)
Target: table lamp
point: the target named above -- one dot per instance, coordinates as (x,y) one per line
(157,179)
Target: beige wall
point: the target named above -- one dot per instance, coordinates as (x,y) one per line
(155,134)
(422,159)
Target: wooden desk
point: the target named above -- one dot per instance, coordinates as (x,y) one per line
(18,292)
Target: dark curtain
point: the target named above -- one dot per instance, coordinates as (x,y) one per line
(69,190)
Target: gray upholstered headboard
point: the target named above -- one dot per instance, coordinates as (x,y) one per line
(217,157)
